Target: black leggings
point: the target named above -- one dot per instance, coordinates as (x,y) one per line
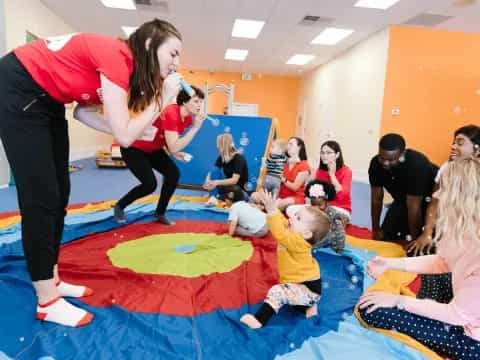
(266,311)
(34,133)
(141,164)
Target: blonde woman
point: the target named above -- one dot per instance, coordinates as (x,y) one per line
(466,142)
(229,173)
(448,316)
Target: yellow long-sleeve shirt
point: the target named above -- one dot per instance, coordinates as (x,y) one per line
(295,261)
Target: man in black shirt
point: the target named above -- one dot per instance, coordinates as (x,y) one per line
(409,177)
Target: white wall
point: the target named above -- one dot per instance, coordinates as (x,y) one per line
(342,100)
(33,16)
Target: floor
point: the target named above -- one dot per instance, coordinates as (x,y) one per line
(92,184)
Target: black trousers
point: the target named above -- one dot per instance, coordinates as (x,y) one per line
(141,164)
(395,224)
(34,133)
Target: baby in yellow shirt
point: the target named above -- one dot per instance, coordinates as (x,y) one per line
(300,283)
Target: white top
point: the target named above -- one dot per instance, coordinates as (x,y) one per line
(247,216)
(440,172)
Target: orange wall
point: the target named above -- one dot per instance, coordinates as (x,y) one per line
(276,96)
(433,77)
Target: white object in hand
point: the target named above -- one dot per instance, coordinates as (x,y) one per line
(187,157)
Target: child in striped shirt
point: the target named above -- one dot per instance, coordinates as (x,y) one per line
(274,165)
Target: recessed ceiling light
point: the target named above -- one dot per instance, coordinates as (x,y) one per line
(128,30)
(119,4)
(247,28)
(236,54)
(331,36)
(300,59)
(376,4)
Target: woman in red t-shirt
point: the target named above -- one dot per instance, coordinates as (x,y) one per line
(333,170)
(295,174)
(37,80)
(149,153)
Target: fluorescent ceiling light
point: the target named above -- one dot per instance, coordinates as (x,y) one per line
(376,4)
(331,36)
(236,54)
(247,28)
(128,30)
(300,59)
(119,4)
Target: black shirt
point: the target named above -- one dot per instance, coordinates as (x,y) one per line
(237,165)
(415,176)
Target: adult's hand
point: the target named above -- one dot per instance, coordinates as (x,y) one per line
(421,246)
(378,234)
(171,87)
(377,266)
(332,167)
(378,299)
(199,119)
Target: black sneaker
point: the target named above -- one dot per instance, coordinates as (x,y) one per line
(162,219)
(119,215)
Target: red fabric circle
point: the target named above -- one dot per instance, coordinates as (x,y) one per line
(86,262)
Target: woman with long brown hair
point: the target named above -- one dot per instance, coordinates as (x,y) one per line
(295,175)
(135,76)
(333,170)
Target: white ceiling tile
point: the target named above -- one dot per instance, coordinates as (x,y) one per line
(206,26)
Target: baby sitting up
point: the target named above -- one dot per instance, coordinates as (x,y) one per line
(300,283)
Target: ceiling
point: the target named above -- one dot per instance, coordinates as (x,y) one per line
(206,26)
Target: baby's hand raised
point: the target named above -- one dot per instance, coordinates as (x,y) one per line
(269,201)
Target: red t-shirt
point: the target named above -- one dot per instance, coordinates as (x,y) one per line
(68,67)
(169,120)
(344,176)
(290,175)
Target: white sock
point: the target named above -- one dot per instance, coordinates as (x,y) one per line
(70,290)
(61,312)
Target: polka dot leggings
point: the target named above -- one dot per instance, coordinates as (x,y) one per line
(446,340)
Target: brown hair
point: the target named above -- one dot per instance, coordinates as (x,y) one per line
(335,146)
(145,81)
(320,224)
(302,152)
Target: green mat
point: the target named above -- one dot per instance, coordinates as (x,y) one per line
(181,254)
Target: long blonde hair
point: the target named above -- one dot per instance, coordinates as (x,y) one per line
(226,147)
(459,202)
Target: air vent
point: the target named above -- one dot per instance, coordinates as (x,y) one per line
(152,5)
(427,20)
(314,20)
